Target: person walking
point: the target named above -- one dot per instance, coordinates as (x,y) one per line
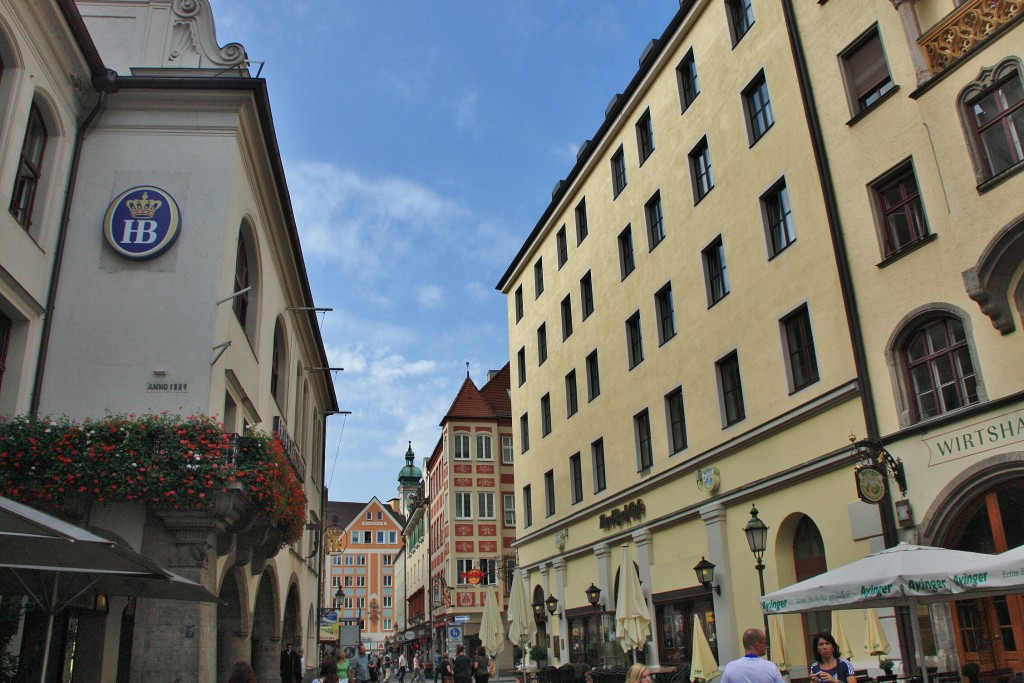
(417,669)
(828,666)
(751,668)
(289,663)
(343,665)
(462,666)
(402,665)
(480,664)
(437,665)
(359,667)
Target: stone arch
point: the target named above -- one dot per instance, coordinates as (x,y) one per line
(247,273)
(234,625)
(291,622)
(990,280)
(265,642)
(800,551)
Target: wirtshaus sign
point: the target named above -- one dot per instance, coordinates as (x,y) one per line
(978,437)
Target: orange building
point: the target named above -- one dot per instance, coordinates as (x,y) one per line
(471,498)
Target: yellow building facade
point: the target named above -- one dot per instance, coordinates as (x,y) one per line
(699,322)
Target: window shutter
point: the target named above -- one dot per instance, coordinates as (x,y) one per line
(867,67)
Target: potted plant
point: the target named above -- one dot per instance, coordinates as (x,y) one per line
(972,671)
(538,653)
(517,656)
(886,665)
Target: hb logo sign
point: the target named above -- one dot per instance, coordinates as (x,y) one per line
(142,223)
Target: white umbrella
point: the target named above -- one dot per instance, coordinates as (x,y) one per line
(845,651)
(777,638)
(905,575)
(875,642)
(632,618)
(492,631)
(1004,571)
(703,665)
(522,627)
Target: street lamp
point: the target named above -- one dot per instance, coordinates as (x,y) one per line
(757,539)
(593,595)
(552,605)
(706,575)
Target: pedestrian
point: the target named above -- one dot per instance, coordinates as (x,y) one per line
(462,666)
(639,673)
(447,673)
(480,662)
(300,666)
(289,662)
(417,669)
(437,665)
(328,671)
(343,664)
(751,668)
(827,666)
(241,672)
(374,667)
(402,665)
(359,667)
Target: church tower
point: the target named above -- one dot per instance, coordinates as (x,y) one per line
(410,482)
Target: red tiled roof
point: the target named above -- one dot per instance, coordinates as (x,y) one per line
(496,392)
(469,403)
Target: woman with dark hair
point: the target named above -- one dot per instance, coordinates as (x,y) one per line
(241,672)
(827,666)
(480,662)
(328,670)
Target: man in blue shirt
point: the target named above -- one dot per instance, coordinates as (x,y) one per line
(751,668)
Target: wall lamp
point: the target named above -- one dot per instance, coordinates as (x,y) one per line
(593,595)
(706,575)
(551,605)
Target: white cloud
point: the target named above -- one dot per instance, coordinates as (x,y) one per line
(567,151)
(465,110)
(430,296)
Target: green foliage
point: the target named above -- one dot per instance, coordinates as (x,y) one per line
(10,618)
(886,664)
(538,653)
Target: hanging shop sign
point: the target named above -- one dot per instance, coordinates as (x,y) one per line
(630,512)
(871,483)
(142,223)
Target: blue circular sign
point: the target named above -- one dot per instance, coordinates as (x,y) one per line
(142,223)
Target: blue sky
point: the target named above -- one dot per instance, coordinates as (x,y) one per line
(421,141)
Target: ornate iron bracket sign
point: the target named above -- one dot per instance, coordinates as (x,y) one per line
(877,466)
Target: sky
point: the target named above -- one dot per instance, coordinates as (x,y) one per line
(421,142)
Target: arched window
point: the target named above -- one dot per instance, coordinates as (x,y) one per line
(462,446)
(30,168)
(938,368)
(808,561)
(278,363)
(992,110)
(246,305)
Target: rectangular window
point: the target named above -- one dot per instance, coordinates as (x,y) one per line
(576,478)
(527,506)
(900,209)
(387,625)
(778,216)
(700,170)
(563,247)
(519,303)
(483,447)
(336,560)
(381,536)
(367,537)
(758,107)
(538,278)
(524,431)
(642,430)
(676,419)
(597,458)
(655,221)
(593,377)
(350,560)
(348,581)
(387,601)
(521,365)
(666,313)
(566,317)
(689,83)
(549,493)
(866,71)
(360,582)
(30,168)
(463,505)
(361,560)
(627,262)
(800,357)
(645,136)
(618,172)
(715,274)
(462,568)
(386,580)
(545,414)
(485,504)
(509,503)
(386,557)
(507,456)
(335,581)
(997,125)
(587,295)
(489,567)
(730,388)
(634,340)
(462,446)
(741,18)
(571,400)
(542,343)
(581,221)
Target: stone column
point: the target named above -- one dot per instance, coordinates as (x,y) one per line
(603,553)
(912,31)
(559,593)
(545,581)
(713,515)
(645,558)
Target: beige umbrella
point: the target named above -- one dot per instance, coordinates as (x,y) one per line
(839,634)
(703,666)
(875,642)
(492,631)
(778,641)
(632,618)
(522,628)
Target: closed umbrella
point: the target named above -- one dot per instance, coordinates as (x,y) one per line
(703,665)
(492,631)
(522,628)
(632,618)
(845,651)
(778,640)
(875,642)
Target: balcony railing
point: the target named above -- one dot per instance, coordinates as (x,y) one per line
(967,27)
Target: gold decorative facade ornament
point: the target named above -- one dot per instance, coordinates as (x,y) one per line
(972,23)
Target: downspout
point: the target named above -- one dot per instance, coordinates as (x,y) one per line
(889,535)
(104,85)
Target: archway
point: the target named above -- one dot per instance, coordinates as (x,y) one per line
(266,641)
(291,628)
(233,628)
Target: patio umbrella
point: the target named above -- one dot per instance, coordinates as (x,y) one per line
(845,651)
(632,618)
(492,632)
(1005,570)
(875,642)
(904,575)
(522,627)
(779,654)
(54,563)
(703,664)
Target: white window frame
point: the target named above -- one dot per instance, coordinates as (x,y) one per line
(485,504)
(386,581)
(462,567)
(463,505)
(507,450)
(509,503)
(483,447)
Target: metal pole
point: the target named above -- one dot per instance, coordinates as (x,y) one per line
(767,637)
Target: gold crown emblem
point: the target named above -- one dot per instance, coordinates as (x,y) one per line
(143,207)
